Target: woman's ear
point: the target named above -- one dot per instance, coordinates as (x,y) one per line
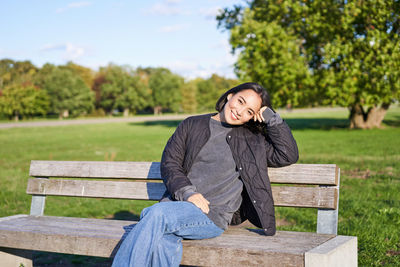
(229,96)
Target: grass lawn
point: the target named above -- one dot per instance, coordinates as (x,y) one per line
(369,205)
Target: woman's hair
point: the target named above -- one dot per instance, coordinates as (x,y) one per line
(261,91)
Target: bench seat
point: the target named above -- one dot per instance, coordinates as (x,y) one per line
(101,237)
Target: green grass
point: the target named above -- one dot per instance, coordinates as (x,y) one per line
(369,205)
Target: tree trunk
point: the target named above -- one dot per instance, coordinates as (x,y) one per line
(63,114)
(366,120)
(157,110)
(126,112)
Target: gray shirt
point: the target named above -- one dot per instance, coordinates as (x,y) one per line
(214,175)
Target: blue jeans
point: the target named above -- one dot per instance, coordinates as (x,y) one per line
(156,240)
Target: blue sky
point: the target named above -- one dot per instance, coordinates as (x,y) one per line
(179,34)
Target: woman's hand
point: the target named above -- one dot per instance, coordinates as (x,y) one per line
(258,116)
(200,202)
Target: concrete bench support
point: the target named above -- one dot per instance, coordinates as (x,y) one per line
(15,257)
(338,251)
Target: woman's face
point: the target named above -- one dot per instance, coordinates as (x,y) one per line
(241,107)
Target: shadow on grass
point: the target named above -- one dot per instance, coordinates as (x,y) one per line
(125,215)
(393,122)
(317,123)
(294,123)
(50,259)
(165,123)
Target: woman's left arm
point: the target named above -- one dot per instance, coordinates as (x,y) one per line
(281,147)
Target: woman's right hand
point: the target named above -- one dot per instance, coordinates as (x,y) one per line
(200,202)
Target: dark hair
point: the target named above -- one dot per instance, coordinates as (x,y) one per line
(261,91)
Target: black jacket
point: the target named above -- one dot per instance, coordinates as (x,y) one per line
(253,153)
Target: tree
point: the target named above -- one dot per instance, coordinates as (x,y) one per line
(209,91)
(165,90)
(121,89)
(321,52)
(16,72)
(68,93)
(23,101)
(86,74)
(188,92)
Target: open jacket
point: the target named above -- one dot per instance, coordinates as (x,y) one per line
(252,153)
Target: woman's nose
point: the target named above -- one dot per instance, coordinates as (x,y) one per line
(240,111)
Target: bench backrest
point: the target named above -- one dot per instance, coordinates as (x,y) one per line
(297,185)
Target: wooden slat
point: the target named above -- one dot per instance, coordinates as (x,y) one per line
(95,169)
(324,174)
(98,237)
(101,189)
(306,197)
(317,197)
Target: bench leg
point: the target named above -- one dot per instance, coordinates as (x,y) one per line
(15,257)
(338,251)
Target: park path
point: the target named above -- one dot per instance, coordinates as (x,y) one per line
(91,121)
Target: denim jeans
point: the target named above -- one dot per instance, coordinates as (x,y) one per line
(156,240)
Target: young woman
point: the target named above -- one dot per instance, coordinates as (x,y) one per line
(215,170)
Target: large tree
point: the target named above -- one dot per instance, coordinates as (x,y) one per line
(321,52)
(17,101)
(16,72)
(120,88)
(86,74)
(209,90)
(69,95)
(165,90)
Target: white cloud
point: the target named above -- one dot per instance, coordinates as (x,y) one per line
(73,5)
(211,12)
(173,1)
(166,9)
(174,28)
(191,70)
(70,51)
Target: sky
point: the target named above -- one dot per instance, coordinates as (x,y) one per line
(181,35)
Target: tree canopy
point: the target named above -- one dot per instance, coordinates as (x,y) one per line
(121,89)
(165,90)
(320,52)
(23,101)
(69,95)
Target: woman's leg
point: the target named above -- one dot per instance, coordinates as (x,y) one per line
(156,238)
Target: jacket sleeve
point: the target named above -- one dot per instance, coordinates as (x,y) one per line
(172,161)
(280,144)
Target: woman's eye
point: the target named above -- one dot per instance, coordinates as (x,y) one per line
(240,101)
(250,113)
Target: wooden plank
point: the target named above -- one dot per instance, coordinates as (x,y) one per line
(98,237)
(95,169)
(101,189)
(317,197)
(324,174)
(296,173)
(306,197)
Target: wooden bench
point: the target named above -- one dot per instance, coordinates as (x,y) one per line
(298,185)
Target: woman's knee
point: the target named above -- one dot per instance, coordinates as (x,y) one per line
(156,210)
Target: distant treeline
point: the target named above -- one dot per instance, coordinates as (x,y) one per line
(72,90)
